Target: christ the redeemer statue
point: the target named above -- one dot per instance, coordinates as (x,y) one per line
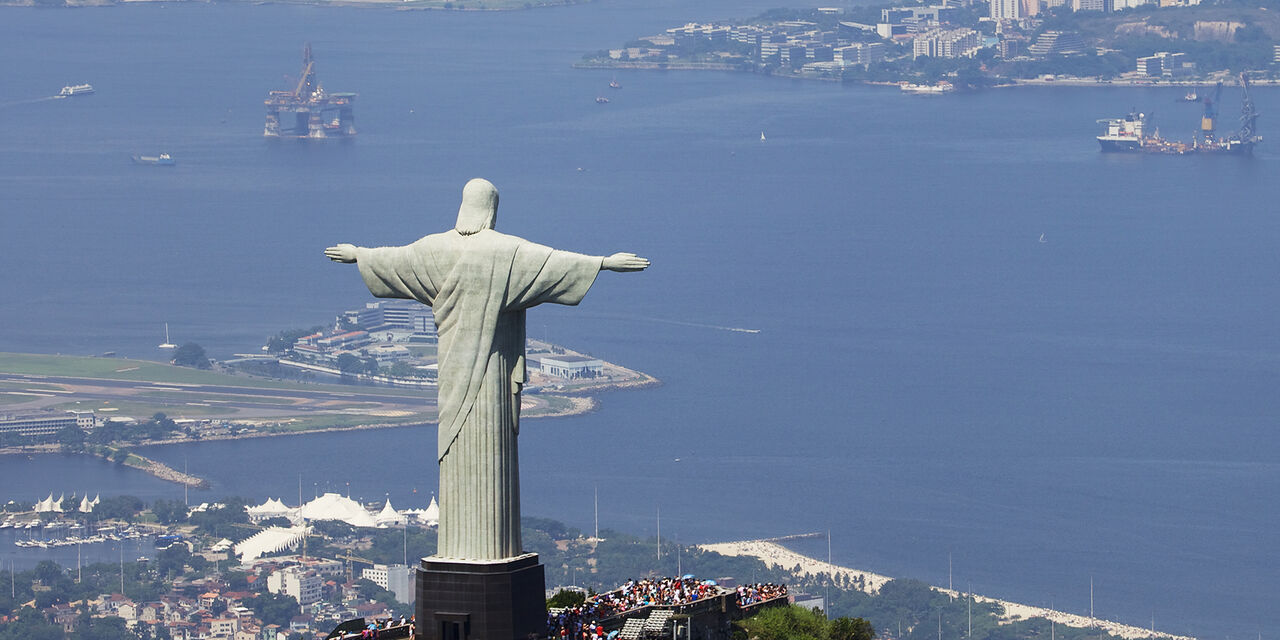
(478,283)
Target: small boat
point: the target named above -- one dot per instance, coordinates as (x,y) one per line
(602,100)
(166,344)
(75,90)
(613,84)
(162,160)
(761,136)
(1190,97)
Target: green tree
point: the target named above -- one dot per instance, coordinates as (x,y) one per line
(118,508)
(850,629)
(191,355)
(566,598)
(371,591)
(348,363)
(30,625)
(274,608)
(786,623)
(71,438)
(169,511)
(111,628)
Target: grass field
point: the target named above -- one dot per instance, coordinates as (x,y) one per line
(148,371)
(14,398)
(145,409)
(310,423)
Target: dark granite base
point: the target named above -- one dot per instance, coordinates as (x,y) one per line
(481,601)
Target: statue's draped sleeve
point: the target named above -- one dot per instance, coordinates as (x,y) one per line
(398,272)
(541,274)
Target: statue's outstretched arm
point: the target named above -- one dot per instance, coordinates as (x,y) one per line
(345,253)
(624,262)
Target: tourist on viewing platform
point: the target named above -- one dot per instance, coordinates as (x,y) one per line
(580,622)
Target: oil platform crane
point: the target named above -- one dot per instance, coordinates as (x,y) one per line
(308,111)
(1208,122)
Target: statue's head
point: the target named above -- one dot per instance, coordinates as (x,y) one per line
(479,208)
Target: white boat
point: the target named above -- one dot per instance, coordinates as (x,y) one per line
(761,136)
(166,344)
(927,89)
(162,160)
(75,90)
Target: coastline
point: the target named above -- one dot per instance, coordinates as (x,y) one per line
(772,553)
(1007,83)
(578,401)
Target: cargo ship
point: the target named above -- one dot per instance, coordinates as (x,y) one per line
(1131,133)
(75,90)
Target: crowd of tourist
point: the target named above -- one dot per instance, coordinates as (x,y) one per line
(583,622)
(759,592)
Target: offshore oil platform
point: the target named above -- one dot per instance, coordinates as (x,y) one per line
(308,111)
(1130,133)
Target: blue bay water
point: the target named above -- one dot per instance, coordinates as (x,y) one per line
(929,379)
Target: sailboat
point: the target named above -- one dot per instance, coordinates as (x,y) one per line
(166,344)
(761,136)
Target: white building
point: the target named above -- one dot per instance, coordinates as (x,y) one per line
(304,586)
(1006,9)
(863,53)
(949,43)
(571,367)
(45,424)
(396,578)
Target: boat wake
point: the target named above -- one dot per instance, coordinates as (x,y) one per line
(699,325)
(29,101)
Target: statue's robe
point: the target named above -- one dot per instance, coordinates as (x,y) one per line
(478,287)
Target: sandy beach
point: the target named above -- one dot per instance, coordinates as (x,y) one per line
(772,553)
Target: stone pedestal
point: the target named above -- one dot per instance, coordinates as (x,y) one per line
(494,600)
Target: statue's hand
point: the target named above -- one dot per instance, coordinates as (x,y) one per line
(345,253)
(625,262)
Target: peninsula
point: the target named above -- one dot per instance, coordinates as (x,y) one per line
(106,406)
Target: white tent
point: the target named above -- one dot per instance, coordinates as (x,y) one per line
(272,508)
(333,506)
(388,516)
(46,505)
(270,540)
(431,517)
(86,506)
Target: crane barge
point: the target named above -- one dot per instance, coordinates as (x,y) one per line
(1131,133)
(308,111)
